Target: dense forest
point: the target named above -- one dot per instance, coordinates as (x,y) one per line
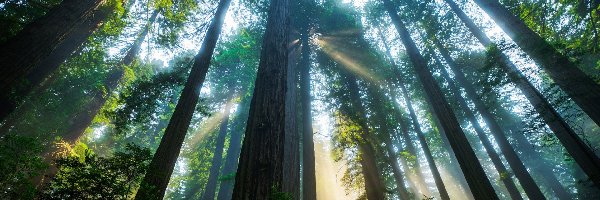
(300,99)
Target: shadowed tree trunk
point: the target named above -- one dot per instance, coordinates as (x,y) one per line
(21,53)
(161,167)
(260,174)
(580,87)
(531,188)
(309,185)
(374,186)
(479,184)
(233,152)
(581,153)
(392,158)
(215,167)
(291,164)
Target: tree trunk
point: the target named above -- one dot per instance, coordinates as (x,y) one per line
(20,54)
(380,117)
(291,164)
(309,185)
(161,167)
(581,153)
(233,152)
(580,87)
(374,186)
(476,177)
(531,188)
(260,173)
(215,167)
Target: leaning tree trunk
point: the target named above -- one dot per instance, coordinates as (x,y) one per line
(161,167)
(421,137)
(531,188)
(580,87)
(260,173)
(20,54)
(472,169)
(581,153)
(233,152)
(487,144)
(215,167)
(309,185)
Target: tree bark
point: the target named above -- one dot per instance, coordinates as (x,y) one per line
(233,152)
(476,177)
(215,167)
(580,87)
(161,167)
(20,54)
(260,173)
(531,188)
(291,164)
(309,185)
(580,152)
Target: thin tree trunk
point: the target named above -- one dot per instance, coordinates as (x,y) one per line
(531,188)
(374,186)
(476,177)
(215,167)
(233,152)
(379,115)
(580,87)
(260,173)
(161,167)
(20,54)
(581,153)
(309,185)
(487,144)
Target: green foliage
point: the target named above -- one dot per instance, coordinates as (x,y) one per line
(20,162)
(84,175)
(276,194)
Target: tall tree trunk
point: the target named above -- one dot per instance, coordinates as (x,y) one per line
(374,186)
(309,185)
(379,115)
(581,153)
(531,188)
(161,167)
(20,54)
(260,173)
(291,163)
(487,144)
(215,167)
(476,177)
(233,152)
(580,87)
(421,137)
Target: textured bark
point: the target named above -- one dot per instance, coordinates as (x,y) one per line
(233,152)
(531,188)
(215,167)
(291,164)
(479,184)
(580,87)
(20,54)
(260,173)
(580,152)
(309,185)
(374,186)
(161,167)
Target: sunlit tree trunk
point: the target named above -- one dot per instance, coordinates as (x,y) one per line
(20,54)
(309,185)
(233,152)
(161,167)
(260,173)
(531,188)
(215,167)
(472,169)
(580,87)
(581,153)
